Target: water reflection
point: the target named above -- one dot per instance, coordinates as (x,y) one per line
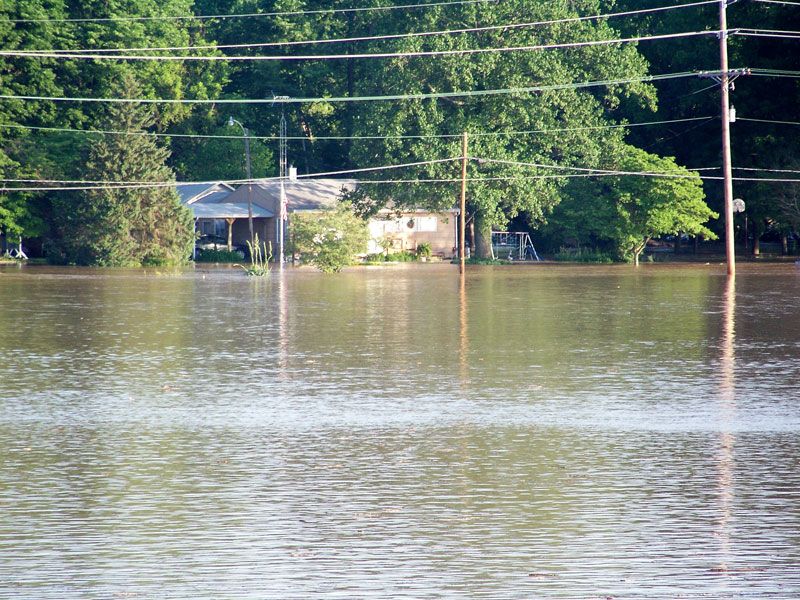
(726,461)
(463,331)
(606,432)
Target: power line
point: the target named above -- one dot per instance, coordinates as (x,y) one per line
(583,172)
(782,35)
(350,137)
(418,96)
(768,121)
(293,13)
(595,171)
(368,55)
(784,2)
(406,181)
(503,27)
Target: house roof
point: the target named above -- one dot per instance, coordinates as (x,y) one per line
(301,194)
(195,192)
(227,210)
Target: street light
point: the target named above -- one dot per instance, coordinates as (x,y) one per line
(246,134)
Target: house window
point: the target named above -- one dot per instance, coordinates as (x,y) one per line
(425,224)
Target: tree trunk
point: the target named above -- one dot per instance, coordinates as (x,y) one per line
(483,238)
(784,244)
(472,235)
(756,244)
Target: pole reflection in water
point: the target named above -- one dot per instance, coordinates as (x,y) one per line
(283,325)
(727,406)
(463,346)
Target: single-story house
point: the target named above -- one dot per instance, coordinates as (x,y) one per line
(403,230)
(222,210)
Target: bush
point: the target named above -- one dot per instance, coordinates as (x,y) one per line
(329,240)
(424,250)
(218,256)
(583,255)
(402,256)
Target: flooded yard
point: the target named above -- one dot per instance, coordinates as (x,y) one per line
(528,432)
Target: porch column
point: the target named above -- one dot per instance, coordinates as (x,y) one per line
(230,234)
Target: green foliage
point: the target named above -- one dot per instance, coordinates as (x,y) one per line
(402,256)
(329,240)
(115,226)
(626,212)
(583,255)
(260,255)
(424,250)
(210,255)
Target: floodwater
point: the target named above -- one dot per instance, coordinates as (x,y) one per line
(530,432)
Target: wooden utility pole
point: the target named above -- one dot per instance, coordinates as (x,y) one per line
(462,253)
(727,170)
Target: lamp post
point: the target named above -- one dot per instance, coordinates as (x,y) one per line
(282,172)
(246,134)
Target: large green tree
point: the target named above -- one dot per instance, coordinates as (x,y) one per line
(115,225)
(624,212)
(500,192)
(755,144)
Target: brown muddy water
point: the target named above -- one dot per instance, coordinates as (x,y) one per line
(537,432)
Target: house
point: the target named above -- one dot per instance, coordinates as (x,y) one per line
(396,231)
(222,210)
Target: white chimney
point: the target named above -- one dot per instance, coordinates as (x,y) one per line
(292,173)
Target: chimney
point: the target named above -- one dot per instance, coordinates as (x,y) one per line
(292,173)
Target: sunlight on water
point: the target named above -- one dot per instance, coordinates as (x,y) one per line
(543,432)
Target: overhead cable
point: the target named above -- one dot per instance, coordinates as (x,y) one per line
(417,96)
(504,27)
(368,55)
(349,137)
(291,13)
(771,122)
(410,181)
(783,2)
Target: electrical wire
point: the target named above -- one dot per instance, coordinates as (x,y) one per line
(584,169)
(504,27)
(418,96)
(292,13)
(349,137)
(368,55)
(785,36)
(783,2)
(405,181)
(768,121)
(83,184)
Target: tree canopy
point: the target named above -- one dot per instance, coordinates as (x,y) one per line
(523,139)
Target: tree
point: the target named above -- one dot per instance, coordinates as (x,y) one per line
(502,191)
(627,211)
(128,226)
(331,239)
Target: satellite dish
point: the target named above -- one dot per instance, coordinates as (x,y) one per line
(738,205)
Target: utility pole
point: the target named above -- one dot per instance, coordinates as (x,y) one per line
(462,254)
(725,77)
(727,169)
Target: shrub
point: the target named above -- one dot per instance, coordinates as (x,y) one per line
(260,255)
(329,240)
(218,256)
(583,255)
(402,256)
(424,250)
